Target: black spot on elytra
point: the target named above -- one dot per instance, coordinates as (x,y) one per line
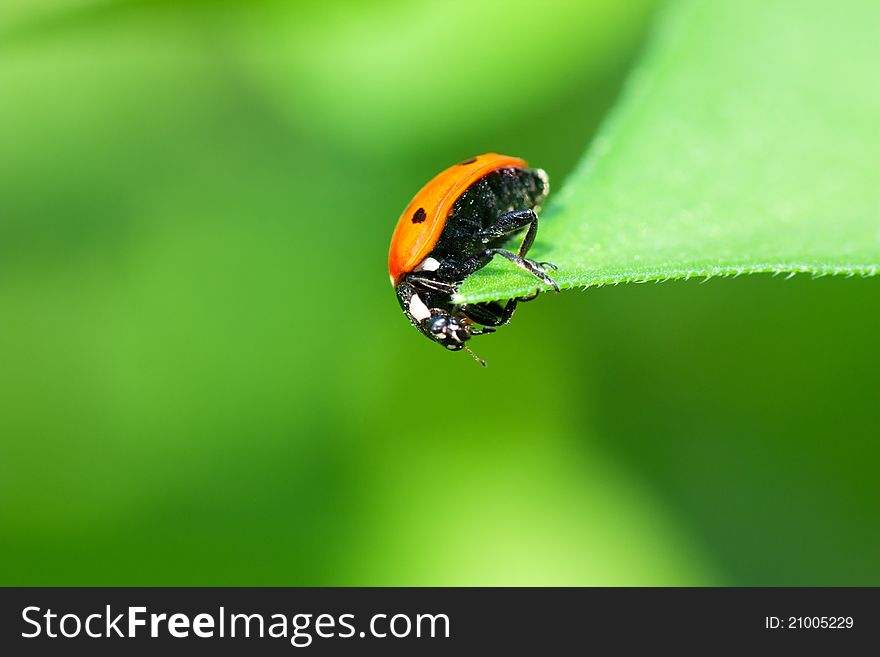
(470,161)
(419,216)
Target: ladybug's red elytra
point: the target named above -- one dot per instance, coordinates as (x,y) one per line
(454,226)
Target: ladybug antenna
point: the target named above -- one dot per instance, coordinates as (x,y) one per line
(475,357)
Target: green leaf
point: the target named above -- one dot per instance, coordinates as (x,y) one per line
(747,141)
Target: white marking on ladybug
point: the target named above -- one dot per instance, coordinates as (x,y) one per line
(418,309)
(428,264)
(545,179)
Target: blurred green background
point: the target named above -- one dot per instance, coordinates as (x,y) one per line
(206,378)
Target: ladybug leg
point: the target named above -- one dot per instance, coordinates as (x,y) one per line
(482,331)
(534,268)
(490,313)
(481,259)
(510,222)
(432,284)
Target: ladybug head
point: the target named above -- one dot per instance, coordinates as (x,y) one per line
(447,329)
(452,331)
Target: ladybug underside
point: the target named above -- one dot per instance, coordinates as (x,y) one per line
(493,210)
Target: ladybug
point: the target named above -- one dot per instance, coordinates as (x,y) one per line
(455,225)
